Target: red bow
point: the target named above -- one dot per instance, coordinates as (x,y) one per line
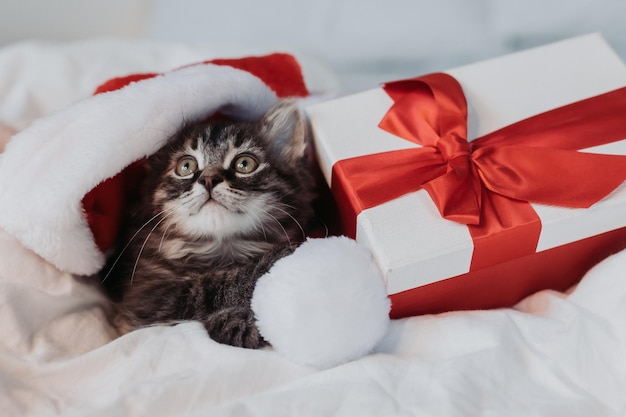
(489,182)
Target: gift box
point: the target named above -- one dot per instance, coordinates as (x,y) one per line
(478,186)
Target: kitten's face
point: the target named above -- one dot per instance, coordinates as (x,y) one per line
(225,179)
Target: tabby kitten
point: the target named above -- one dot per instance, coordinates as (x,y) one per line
(221,202)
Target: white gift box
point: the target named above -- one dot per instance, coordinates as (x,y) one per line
(413,245)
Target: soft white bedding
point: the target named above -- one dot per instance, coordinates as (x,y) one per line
(553,354)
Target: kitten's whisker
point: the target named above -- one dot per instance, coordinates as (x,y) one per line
(282,227)
(165,233)
(132,275)
(316,218)
(287,205)
(326,231)
(294,220)
(279,223)
(119,256)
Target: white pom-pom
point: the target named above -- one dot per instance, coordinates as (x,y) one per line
(323,305)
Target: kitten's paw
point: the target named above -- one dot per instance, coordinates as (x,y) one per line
(236,327)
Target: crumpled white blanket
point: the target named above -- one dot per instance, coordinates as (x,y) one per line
(552,355)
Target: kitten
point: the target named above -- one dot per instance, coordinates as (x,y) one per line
(221,203)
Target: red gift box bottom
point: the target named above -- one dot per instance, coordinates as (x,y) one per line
(505,284)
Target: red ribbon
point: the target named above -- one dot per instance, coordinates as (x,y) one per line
(488,183)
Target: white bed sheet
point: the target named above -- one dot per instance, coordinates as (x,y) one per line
(552,355)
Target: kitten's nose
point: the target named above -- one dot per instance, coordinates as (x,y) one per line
(210,181)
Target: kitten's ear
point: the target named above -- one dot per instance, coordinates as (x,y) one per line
(285,129)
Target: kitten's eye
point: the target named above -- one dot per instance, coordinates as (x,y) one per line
(245,164)
(186,166)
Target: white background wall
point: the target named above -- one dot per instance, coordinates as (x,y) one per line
(366,41)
